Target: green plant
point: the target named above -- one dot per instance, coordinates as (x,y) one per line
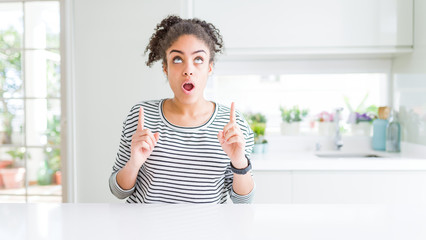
(53,134)
(258,129)
(293,114)
(361,113)
(54,158)
(257,117)
(17,155)
(53,130)
(257,124)
(7,118)
(10,78)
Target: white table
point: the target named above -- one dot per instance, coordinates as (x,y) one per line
(123,221)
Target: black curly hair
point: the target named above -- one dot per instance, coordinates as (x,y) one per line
(172,27)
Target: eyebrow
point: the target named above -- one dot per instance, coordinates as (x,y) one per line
(192,53)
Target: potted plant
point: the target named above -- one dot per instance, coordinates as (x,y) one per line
(361,123)
(257,124)
(361,118)
(44,174)
(53,165)
(13,174)
(3,164)
(325,123)
(53,154)
(291,118)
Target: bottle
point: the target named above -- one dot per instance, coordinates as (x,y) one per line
(393,133)
(379,134)
(378,140)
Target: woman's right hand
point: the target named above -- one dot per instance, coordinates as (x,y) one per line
(143,142)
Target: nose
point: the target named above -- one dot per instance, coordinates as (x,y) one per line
(188,69)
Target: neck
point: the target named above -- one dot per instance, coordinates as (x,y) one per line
(189,109)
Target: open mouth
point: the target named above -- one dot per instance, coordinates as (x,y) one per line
(188,87)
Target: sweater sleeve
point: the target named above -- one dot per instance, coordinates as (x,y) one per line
(236,198)
(123,154)
(116,189)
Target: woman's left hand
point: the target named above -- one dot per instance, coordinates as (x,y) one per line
(232,141)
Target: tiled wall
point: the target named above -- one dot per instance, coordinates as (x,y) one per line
(410,99)
(409,82)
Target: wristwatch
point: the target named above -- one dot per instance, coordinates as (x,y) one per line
(242,171)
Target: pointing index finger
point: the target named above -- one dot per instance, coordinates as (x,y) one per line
(141,119)
(232,114)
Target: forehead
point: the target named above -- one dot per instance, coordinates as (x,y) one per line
(188,44)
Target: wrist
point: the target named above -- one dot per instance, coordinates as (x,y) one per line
(241,163)
(134,164)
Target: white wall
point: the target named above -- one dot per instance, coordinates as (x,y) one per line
(409,73)
(110,76)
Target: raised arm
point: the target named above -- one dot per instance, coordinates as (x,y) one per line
(143,142)
(233,144)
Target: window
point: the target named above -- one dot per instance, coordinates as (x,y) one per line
(30,110)
(314,92)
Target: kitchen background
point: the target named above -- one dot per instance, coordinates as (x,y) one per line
(309,54)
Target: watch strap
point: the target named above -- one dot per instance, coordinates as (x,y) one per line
(244,170)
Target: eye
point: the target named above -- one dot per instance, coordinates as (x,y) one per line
(198,60)
(177,60)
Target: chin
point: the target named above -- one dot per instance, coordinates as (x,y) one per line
(191,99)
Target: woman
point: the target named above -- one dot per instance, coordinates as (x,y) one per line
(184,149)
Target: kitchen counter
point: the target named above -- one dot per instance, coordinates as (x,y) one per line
(228,221)
(309,161)
(294,153)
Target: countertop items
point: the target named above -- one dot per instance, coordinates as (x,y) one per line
(228,221)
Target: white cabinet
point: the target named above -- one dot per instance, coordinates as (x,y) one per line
(359,187)
(340,187)
(272,187)
(281,24)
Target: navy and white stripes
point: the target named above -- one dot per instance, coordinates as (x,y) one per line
(187,164)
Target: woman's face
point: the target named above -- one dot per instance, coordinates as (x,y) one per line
(188,68)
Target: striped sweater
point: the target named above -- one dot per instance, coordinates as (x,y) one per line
(187,164)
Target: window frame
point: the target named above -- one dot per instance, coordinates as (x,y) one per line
(65,13)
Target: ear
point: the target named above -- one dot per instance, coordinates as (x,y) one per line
(165,69)
(210,68)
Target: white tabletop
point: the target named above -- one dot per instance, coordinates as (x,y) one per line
(228,221)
